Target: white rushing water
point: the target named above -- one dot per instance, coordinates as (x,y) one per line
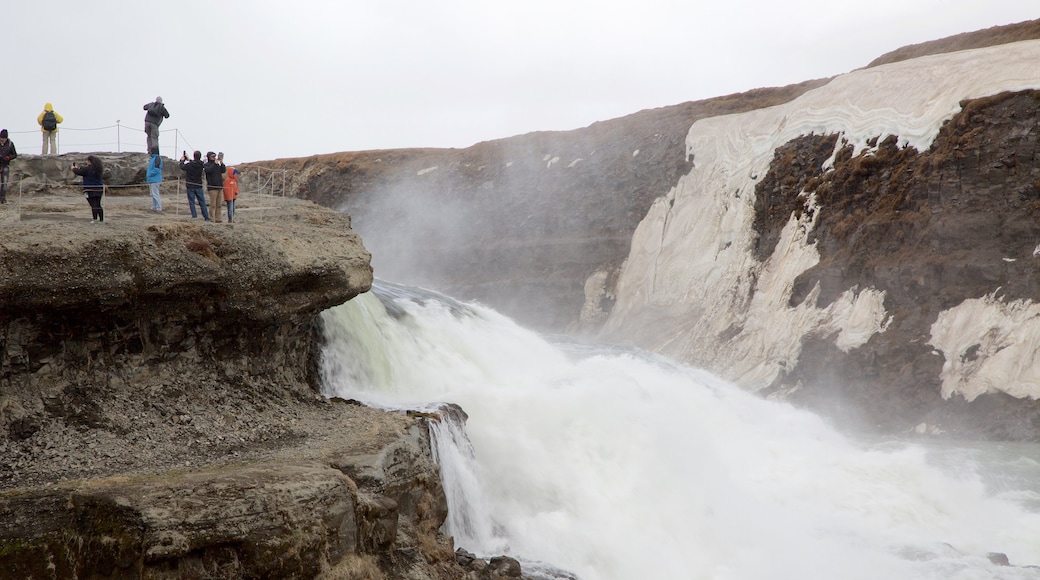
(614,464)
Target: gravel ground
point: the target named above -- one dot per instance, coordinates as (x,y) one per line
(187,426)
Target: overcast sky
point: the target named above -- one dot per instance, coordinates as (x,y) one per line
(262,79)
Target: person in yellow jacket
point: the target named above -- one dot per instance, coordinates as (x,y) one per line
(48,121)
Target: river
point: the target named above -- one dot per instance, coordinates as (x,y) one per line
(615,464)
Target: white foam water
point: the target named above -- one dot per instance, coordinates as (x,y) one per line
(616,464)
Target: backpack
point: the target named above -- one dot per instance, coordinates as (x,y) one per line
(50,122)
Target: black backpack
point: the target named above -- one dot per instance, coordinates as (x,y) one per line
(50,122)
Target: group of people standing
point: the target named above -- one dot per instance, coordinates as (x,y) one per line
(48,120)
(221,181)
(221,184)
(213,169)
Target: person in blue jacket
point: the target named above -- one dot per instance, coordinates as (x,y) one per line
(153,177)
(93,185)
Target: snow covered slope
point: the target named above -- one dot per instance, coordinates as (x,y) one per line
(692,287)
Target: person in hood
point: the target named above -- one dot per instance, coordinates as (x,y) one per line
(231,192)
(153,117)
(7,153)
(49,120)
(153,177)
(193,170)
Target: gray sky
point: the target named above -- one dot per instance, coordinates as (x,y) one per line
(262,79)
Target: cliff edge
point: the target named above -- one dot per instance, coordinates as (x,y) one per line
(159,415)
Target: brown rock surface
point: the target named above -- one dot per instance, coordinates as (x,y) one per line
(159,414)
(930,229)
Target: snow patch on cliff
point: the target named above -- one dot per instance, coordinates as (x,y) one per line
(990,346)
(691,286)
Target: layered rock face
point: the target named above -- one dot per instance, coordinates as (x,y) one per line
(829,247)
(949,236)
(82,305)
(297,519)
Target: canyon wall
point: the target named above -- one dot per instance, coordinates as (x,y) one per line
(860,245)
(866,248)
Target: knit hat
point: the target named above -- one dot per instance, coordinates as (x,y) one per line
(3,133)
(158,100)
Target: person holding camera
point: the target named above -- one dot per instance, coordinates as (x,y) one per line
(93,185)
(193,170)
(215,170)
(155,113)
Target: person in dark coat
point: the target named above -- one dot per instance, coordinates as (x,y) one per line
(193,170)
(93,185)
(7,153)
(153,117)
(215,170)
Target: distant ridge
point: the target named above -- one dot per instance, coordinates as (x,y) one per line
(1028,30)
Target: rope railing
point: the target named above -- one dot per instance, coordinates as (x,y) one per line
(276,183)
(259,179)
(118,142)
(172,192)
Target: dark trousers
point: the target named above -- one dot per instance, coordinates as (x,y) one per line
(95,207)
(151,130)
(5,173)
(195,195)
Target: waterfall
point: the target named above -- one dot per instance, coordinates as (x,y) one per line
(612,463)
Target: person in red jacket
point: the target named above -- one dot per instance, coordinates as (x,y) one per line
(231,192)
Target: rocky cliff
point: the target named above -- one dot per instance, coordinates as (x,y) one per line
(862,249)
(862,245)
(159,412)
(870,255)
